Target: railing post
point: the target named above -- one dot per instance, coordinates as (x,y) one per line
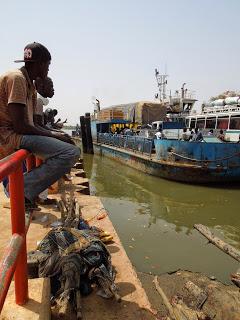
(150,152)
(8,265)
(16,187)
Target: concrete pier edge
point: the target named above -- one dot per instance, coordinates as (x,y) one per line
(135,303)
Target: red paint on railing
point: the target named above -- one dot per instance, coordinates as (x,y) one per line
(12,167)
(16,189)
(10,163)
(8,265)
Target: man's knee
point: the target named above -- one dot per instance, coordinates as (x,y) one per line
(74,153)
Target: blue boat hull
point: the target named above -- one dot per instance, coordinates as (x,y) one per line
(171,167)
(199,162)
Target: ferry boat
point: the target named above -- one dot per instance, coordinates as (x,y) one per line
(208,161)
(219,114)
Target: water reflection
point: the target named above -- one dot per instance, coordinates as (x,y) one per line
(176,203)
(167,207)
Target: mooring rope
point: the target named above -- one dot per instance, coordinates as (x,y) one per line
(197,160)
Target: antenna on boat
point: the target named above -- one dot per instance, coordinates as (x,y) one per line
(183,91)
(161,82)
(96,104)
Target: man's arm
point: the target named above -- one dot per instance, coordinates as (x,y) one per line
(38,120)
(16,111)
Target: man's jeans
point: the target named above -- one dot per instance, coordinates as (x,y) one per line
(58,158)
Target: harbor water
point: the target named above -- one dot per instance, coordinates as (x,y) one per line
(154,219)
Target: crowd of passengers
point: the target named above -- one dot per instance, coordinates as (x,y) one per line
(187,134)
(192,135)
(196,135)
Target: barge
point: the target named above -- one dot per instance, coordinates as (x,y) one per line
(208,161)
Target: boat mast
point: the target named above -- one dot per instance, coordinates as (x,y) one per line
(161,82)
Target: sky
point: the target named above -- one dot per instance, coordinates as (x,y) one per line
(109,49)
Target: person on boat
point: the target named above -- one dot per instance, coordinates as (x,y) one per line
(159,134)
(197,136)
(128,132)
(117,130)
(185,136)
(191,133)
(17,101)
(210,133)
(221,135)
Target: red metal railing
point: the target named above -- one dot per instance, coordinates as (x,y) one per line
(14,260)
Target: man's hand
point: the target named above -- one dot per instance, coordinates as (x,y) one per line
(21,127)
(64,138)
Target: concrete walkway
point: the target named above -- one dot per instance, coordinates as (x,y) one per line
(134,305)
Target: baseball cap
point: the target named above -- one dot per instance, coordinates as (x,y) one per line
(35,52)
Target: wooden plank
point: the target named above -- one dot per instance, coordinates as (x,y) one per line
(231,251)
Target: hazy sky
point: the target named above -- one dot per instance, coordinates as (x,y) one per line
(109,49)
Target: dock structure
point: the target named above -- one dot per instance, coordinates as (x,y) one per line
(134,304)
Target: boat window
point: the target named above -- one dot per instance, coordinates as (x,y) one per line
(154,126)
(187,123)
(222,123)
(200,123)
(210,123)
(193,123)
(235,122)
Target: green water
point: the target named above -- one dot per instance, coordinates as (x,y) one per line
(154,219)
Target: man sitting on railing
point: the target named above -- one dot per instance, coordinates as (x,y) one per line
(17,101)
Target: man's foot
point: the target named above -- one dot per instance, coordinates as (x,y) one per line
(46,202)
